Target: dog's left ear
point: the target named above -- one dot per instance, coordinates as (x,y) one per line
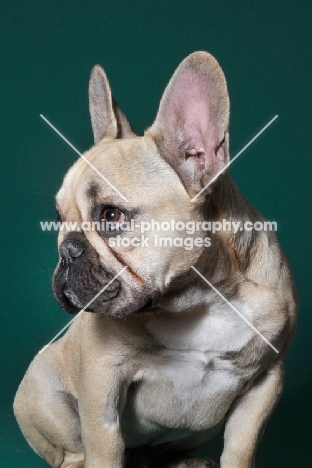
(191,127)
(107,119)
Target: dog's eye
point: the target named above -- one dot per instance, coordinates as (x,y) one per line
(110,220)
(112,215)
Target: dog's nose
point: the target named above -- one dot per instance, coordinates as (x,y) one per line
(70,249)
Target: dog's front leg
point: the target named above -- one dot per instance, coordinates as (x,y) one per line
(247,419)
(102,395)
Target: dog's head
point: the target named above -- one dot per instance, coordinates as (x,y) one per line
(135,180)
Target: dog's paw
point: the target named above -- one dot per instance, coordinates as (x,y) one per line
(194,462)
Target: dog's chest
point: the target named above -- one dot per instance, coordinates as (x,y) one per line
(187,386)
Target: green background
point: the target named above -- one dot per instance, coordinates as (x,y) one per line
(47,51)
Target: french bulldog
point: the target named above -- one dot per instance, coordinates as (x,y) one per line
(180,341)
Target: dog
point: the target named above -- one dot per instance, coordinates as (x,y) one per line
(159,360)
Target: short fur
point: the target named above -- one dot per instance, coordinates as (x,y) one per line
(162,361)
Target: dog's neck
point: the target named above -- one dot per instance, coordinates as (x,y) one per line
(226,262)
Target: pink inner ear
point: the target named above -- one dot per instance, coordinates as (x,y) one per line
(188,110)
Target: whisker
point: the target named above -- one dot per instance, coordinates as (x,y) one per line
(41,271)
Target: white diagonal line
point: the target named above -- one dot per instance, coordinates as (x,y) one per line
(83,157)
(84,309)
(235,157)
(235,310)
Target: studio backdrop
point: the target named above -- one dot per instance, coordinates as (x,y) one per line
(47,52)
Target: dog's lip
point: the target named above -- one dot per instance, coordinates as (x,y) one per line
(73,298)
(72,304)
(67,305)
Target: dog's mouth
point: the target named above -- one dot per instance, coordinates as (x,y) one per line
(69,304)
(73,303)
(73,298)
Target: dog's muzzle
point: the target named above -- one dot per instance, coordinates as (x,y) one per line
(70,250)
(79,277)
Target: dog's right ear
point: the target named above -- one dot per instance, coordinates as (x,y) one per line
(191,126)
(107,119)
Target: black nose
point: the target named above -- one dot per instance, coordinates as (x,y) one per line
(70,249)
